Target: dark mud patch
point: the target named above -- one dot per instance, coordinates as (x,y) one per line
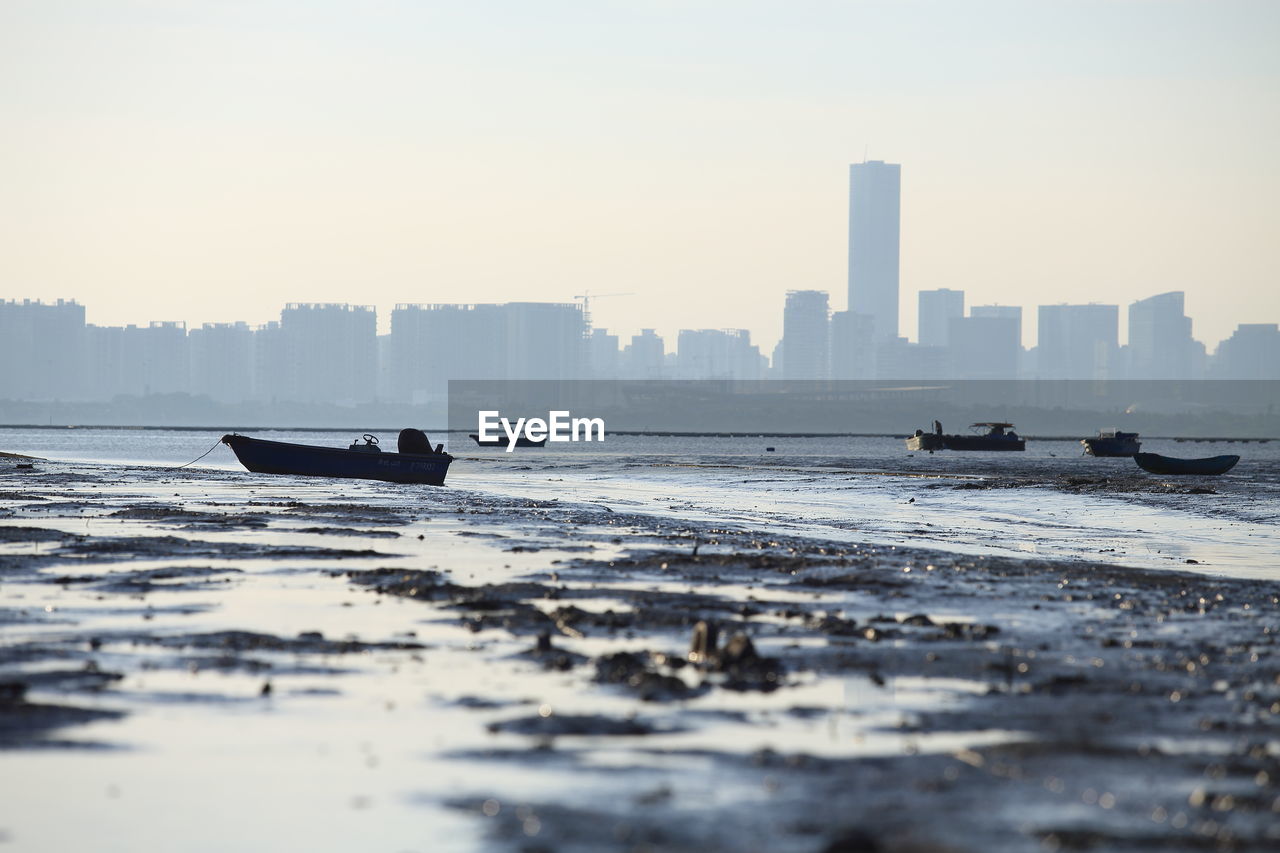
(553,724)
(308,642)
(114,548)
(192,519)
(1122,484)
(141,582)
(27,725)
(481,703)
(349,513)
(10,534)
(348,531)
(88,678)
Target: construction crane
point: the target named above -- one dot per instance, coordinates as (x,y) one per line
(586,298)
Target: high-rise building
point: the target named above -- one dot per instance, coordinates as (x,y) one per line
(645,357)
(717,354)
(853,346)
(806,335)
(331,352)
(431,344)
(42,350)
(937,309)
(898,358)
(1006,312)
(271,381)
(602,354)
(545,340)
(155,358)
(984,347)
(222,361)
(875,191)
(1009,312)
(1252,352)
(1160,343)
(105,368)
(1077,341)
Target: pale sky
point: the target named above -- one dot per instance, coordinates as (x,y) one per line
(210,161)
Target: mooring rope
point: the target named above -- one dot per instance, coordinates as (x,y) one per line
(201,456)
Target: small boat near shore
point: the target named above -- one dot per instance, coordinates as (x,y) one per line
(1211,466)
(503,441)
(1112,442)
(995,438)
(359,461)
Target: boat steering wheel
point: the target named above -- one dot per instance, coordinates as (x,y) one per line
(370,439)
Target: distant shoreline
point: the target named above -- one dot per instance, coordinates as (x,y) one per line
(654,433)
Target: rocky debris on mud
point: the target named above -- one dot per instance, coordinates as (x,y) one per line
(550,656)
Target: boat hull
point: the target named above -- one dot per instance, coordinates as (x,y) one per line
(932,441)
(1211,466)
(278,457)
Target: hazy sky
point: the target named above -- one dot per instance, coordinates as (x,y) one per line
(210,161)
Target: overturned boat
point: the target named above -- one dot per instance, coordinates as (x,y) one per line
(1211,466)
(1112,442)
(994,438)
(365,461)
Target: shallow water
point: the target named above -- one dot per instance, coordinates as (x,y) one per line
(848,489)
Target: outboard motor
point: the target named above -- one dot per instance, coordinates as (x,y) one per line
(413,441)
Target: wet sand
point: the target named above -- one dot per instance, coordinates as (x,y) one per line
(360,665)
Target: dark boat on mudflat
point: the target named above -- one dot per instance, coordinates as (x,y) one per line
(359,461)
(1112,442)
(995,438)
(1211,466)
(503,441)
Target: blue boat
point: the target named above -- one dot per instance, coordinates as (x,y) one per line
(359,461)
(1211,466)
(1112,442)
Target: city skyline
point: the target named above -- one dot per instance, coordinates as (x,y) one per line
(332,353)
(693,156)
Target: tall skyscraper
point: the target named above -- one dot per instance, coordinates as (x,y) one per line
(937,309)
(875,191)
(806,323)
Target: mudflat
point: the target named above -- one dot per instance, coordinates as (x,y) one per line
(363,665)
